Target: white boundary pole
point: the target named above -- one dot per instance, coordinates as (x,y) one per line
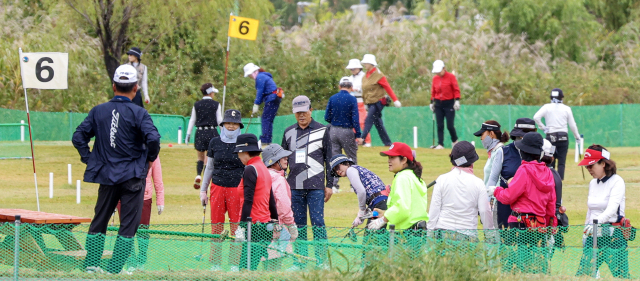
(33,158)
(21,131)
(50,185)
(78,192)
(69,173)
(415,137)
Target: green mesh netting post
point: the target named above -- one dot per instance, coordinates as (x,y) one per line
(392,230)
(16,251)
(594,251)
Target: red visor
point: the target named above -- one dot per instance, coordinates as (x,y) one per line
(593,156)
(399,149)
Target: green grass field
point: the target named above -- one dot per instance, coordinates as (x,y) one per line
(182,201)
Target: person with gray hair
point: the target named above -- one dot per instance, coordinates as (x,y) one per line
(342,114)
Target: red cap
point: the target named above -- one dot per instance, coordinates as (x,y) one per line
(592,156)
(399,149)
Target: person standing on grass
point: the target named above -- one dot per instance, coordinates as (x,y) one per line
(374,88)
(135,58)
(356,77)
(223,174)
(258,203)
(342,114)
(606,203)
(561,216)
(492,140)
(267,92)
(445,101)
(126,144)
(206,115)
(308,165)
(556,116)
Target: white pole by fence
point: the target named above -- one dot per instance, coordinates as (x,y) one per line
(78,192)
(179,135)
(69,173)
(415,137)
(22,131)
(50,185)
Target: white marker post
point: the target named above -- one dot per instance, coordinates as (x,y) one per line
(415,137)
(577,154)
(50,185)
(69,173)
(22,131)
(180,135)
(78,192)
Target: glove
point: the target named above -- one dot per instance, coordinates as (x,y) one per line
(432,107)
(490,190)
(240,235)
(146,99)
(255,109)
(160,209)
(203,198)
(274,226)
(456,105)
(588,230)
(358,220)
(293,230)
(545,130)
(377,223)
(187,139)
(397,104)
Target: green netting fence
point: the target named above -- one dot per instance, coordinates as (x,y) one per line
(186,252)
(609,125)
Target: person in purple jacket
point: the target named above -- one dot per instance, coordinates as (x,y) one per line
(267,92)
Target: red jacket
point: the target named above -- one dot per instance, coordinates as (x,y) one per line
(255,193)
(445,87)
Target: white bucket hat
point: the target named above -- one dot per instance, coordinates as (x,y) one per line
(437,66)
(250,68)
(354,64)
(370,59)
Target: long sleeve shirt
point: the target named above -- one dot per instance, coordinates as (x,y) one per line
(282,195)
(143,80)
(407,202)
(458,196)
(154,181)
(358,187)
(310,161)
(257,198)
(342,111)
(445,87)
(556,116)
(265,87)
(384,84)
(493,168)
(606,197)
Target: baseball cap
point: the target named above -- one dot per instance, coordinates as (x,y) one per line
(437,66)
(301,104)
(125,74)
(548,148)
(346,79)
(399,149)
(592,156)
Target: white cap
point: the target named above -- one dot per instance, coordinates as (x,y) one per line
(548,148)
(346,79)
(250,68)
(437,66)
(370,59)
(354,64)
(125,74)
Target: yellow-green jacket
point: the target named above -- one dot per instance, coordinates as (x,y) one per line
(407,203)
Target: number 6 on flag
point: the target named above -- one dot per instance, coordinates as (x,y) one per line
(44,70)
(243,28)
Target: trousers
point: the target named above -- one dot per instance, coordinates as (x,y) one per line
(224,200)
(560,156)
(142,238)
(314,200)
(374,117)
(343,139)
(444,109)
(268,115)
(362,115)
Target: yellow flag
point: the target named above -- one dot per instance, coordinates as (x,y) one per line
(243,28)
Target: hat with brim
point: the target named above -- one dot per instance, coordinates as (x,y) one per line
(354,64)
(247,143)
(521,125)
(592,156)
(301,104)
(250,68)
(531,143)
(487,127)
(464,154)
(399,149)
(370,59)
(232,116)
(337,160)
(273,153)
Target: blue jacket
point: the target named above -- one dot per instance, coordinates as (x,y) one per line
(265,88)
(510,163)
(342,111)
(126,140)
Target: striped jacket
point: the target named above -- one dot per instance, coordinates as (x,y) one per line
(314,142)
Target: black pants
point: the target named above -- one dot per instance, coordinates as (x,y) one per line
(374,117)
(444,109)
(260,240)
(138,99)
(131,195)
(504,211)
(560,156)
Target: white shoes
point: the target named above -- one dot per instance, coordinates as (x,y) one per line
(216,267)
(234,268)
(197,182)
(94,269)
(454,144)
(293,268)
(335,190)
(439,147)
(367,145)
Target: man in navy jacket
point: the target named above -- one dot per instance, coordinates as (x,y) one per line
(126,142)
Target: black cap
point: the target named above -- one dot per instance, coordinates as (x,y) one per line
(136,52)
(521,125)
(232,116)
(247,143)
(557,94)
(463,154)
(487,127)
(531,143)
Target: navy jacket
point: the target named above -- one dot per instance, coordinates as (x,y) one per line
(510,163)
(265,88)
(314,142)
(342,111)
(126,140)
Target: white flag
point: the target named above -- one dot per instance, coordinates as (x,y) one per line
(44,70)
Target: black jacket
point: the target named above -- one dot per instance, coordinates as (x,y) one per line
(314,141)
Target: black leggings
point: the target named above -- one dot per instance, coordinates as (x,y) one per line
(444,109)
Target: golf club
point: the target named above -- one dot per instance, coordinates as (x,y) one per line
(582,153)
(433,130)
(431,184)
(354,236)
(249,125)
(204,214)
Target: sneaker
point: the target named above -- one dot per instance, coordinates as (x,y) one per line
(367,145)
(234,268)
(439,147)
(197,182)
(454,144)
(335,190)
(216,267)
(94,269)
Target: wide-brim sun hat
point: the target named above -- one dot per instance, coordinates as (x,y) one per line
(531,143)
(337,160)
(247,143)
(250,68)
(399,149)
(354,64)
(370,59)
(273,153)
(232,116)
(521,124)
(438,66)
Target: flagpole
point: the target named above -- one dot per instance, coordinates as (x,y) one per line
(33,158)
(226,69)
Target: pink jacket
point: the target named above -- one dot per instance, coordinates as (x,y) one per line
(282,194)
(155,172)
(532,191)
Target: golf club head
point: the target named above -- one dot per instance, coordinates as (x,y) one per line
(198,257)
(353,236)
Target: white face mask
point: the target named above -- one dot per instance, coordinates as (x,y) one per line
(489,143)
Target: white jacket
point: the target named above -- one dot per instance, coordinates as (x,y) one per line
(357,85)
(557,116)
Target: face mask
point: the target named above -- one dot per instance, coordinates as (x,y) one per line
(230,134)
(488,143)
